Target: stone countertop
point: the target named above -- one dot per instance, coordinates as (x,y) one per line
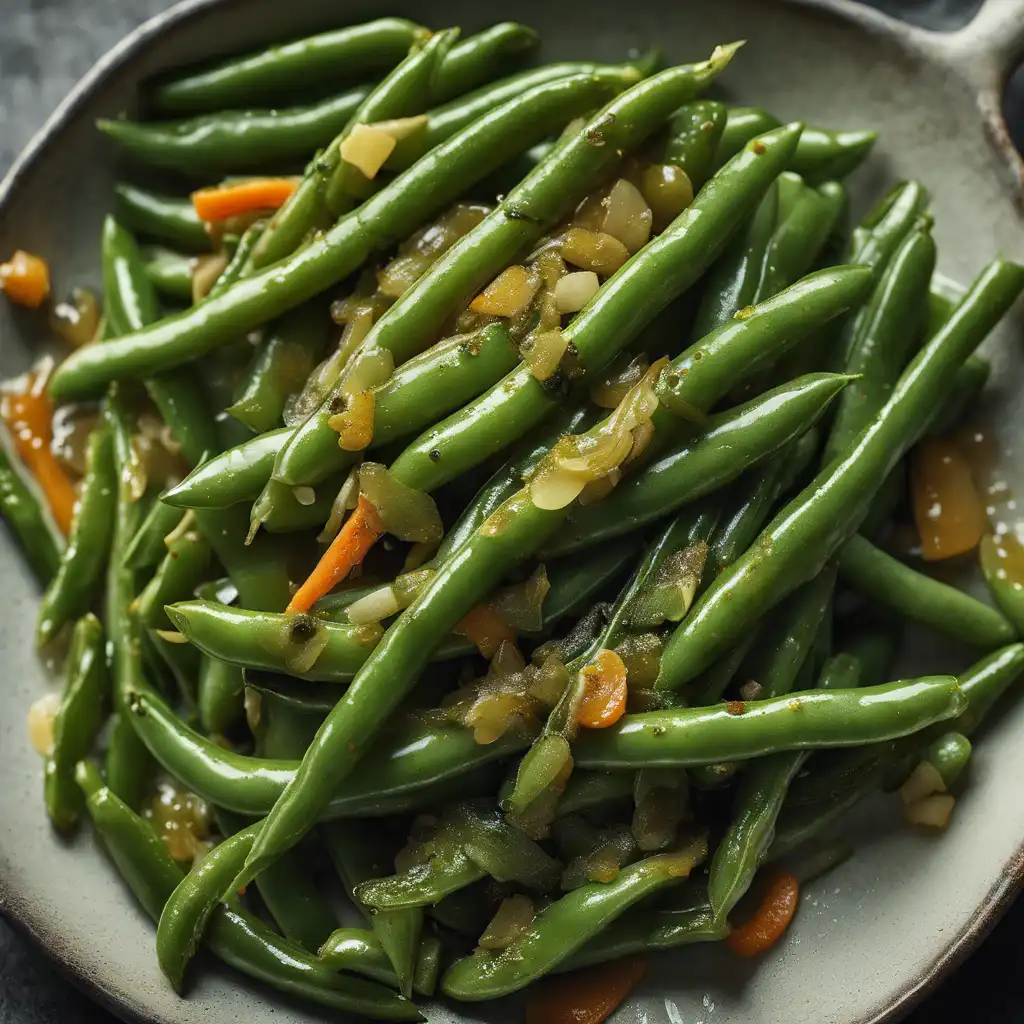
(45,47)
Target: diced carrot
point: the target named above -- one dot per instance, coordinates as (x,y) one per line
(29,417)
(360,532)
(587,996)
(25,279)
(224,201)
(486,628)
(604,695)
(950,516)
(770,920)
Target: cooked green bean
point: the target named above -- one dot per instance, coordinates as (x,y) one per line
(170,272)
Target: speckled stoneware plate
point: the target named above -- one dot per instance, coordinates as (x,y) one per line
(874,935)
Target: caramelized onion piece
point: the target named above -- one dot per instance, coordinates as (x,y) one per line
(405,513)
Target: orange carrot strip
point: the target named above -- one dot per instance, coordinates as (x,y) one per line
(29,416)
(770,920)
(950,516)
(486,628)
(224,201)
(604,693)
(347,550)
(25,279)
(587,996)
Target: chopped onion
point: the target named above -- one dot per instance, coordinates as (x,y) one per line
(514,916)
(574,291)
(72,425)
(924,781)
(400,128)
(548,683)
(253,702)
(368,369)
(181,819)
(304,495)
(355,424)
(509,294)
(405,513)
(593,250)
(171,636)
(40,722)
(641,654)
(668,191)
(367,148)
(662,802)
(551,267)
(627,217)
(381,604)
(591,211)
(556,488)
(493,714)
(507,661)
(642,435)
(931,811)
(543,351)
(348,496)
(669,596)
(205,271)
(417,555)
(521,605)
(77,319)
(609,392)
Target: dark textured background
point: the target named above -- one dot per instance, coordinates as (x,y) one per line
(45,46)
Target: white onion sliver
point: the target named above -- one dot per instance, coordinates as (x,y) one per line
(628,217)
(374,607)
(575,290)
(931,811)
(367,148)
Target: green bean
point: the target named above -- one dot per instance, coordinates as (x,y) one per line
(897,586)
(233,142)
(149,545)
(588,790)
(732,442)
(185,565)
(968,384)
(658,273)
(408,767)
(472,61)
(357,857)
(232,934)
(710,686)
(880,350)
(533,207)
(806,533)
(279,368)
(562,928)
(170,272)
(220,690)
(298,908)
(77,721)
(693,136)
(359,951)
(27,514)
(810,720)
(393,213)
(79,578)
(282,724)
(163,218)
(292,67)
(821,155)
(128,766)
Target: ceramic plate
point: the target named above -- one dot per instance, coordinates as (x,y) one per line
(872,936)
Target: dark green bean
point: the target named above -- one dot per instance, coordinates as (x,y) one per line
(128,766)
(808,531)
(968,384)
(80,575)
(693,136)
(149,545)
(912,594)
(710,686)
(358,950)
(949,755)
(293,67)
(473,61)
(25,511)
(163,218)
(77,721)
(170,272)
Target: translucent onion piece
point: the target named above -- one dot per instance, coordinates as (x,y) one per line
(348,496)
(205,271)
(405,513)
(556,488)
(304,495)
(72,425)
(493,714)
(669,596)
(514,916)
(641,654)
(575,290)
(76,319)
(509,294)
(486,628)
(950,516)
(507,661)
(355,424)
(40,722)
(543,351)
(551,267)
(367,148)
(609,392)
(593,250)
(924,780)
(932,811)
(400,128)
(381,604)
(521,605)
(407,587)
(627,217)
(253,702)
(548,683)
(599,489)
(181,819)
(367,370)
(667,190)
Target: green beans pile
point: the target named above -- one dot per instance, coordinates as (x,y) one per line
(526,566)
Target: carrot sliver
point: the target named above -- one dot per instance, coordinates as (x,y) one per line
(25,279)
(486,628)
(360,532)
(770,920)
(605,692)
(587,996)
(224,201)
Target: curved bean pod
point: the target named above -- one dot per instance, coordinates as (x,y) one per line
(359,951)
(163,218)
(170,272)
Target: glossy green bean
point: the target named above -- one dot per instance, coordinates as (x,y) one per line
(531,208)
(128,767)
(170,272)
(163,218)
(25,511)
(149,545)
(968,384)
(77,721)
(693,136)
(710,686)
(733,441)
(949,755)
(895,585)
(880,350)
(624,306)
(293,67)
(806,533)
(359,951)
(80,575)
(185,565)
(806,721)
(392,214)
(562,928)
(220,690)
(233,142)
